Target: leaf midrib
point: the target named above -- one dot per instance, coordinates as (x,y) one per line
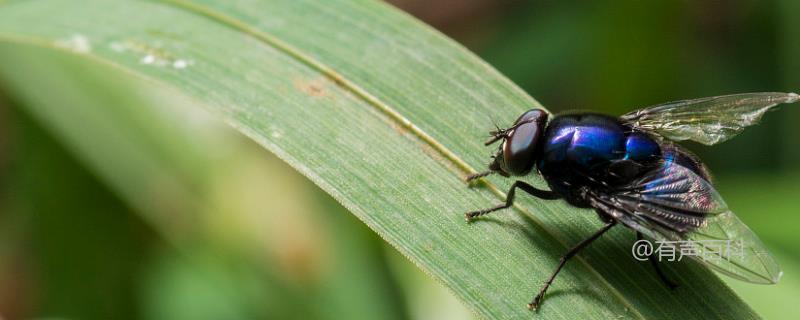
(345,84)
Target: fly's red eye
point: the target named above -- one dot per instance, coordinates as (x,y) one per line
(520,148)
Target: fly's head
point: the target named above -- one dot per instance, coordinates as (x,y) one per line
(520,145)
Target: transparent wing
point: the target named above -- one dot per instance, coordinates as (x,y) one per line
(729,246)
(678,208)
(707,120)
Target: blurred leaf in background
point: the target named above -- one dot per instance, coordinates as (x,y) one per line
(77,241)
(316,261)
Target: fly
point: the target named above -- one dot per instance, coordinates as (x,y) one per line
(631,171)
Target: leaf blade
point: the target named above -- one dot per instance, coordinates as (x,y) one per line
(432,140)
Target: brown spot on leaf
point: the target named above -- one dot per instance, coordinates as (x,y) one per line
(397,127)
(315,87)
(436,155)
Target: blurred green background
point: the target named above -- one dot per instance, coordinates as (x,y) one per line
(274,246)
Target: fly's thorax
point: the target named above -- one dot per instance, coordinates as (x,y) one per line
(594,150)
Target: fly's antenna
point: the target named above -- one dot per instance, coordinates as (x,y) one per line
(496,129)
(494,139)
(501,133)
(478,175)
(495,134)
(494,122)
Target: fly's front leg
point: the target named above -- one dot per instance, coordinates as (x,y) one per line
(478,175)
(541,194)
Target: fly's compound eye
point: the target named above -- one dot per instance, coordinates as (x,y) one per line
(520,148)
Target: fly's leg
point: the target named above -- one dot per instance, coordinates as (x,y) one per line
(474,176)
(571,253)
(671,285)
(542,194)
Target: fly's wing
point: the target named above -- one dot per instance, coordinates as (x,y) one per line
(679,209)
(707,120)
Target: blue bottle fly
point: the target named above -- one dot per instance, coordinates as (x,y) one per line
(631,171)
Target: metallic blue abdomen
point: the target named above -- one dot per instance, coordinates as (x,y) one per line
(593,150)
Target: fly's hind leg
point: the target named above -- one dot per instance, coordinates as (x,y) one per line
(541,194)
(537,301)
(671,285)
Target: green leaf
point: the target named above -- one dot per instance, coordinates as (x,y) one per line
(228,184)
(378,110)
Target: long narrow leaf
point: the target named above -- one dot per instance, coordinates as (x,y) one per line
(387,116)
